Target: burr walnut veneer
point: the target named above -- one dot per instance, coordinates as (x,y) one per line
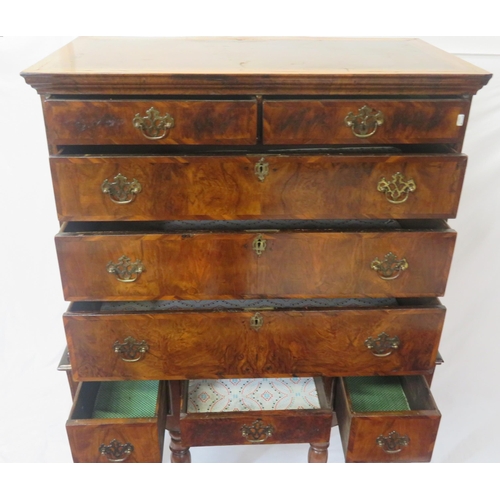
(266,209)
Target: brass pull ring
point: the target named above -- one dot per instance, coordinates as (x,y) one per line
(383,345)
(257,432)
(153,126)
(397,189)
(393,442)
(116,451)
(390,267)
(261,169)
(131,350)
(121,191)
(125,270)
(365,123)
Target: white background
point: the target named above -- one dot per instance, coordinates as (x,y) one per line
(34,397)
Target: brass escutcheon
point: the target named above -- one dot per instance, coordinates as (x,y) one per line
(257,432)
(259,244)
(116,451)
(261,169)
(125,270)
(121,191)
(153,126)
(397,189)
(256,321)
(393,442)
(131,350)
(383,345)
(365,123)
(389,268)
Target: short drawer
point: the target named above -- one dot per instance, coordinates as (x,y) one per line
(224,259)
(107,122)
(345,186)
(345,121)
(118,421)
(386,419)
(255,411)
(252,338)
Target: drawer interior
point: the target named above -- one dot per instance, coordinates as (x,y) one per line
(124,399)
(255,395)
(222,226)
(388,394)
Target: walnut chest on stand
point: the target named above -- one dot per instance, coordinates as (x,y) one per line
(253,239)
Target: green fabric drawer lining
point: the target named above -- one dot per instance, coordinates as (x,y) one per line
(127,399)
(369,394)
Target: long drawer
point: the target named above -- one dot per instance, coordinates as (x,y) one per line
(231,339)
(152,261)
(386,419)
(141,121)
(346,121)
(357,186)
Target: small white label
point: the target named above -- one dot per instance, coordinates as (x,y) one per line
(460,120)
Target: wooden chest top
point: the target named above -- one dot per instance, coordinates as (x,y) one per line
(110,65)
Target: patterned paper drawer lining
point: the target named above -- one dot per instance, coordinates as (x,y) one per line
(218,305)
(214,396)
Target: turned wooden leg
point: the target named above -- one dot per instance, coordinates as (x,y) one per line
(180,454)
(318,453)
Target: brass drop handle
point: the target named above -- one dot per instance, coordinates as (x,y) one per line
(397,189)
(383,345)
(153,126)
(116,451)
(365,122)
(393,442)
(121,191)
(390,267)
(131,350)
(257,432)
(125,270)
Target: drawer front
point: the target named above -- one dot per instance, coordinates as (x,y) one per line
(251,265)
(358,122)
(233,344)
(286,426)
(116,439)
(193,122)
(170,188)
(404,436)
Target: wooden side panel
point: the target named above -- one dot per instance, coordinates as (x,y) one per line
(189,345)
(323,121)
(228,188)
(110,122)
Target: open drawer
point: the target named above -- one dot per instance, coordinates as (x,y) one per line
(254,411)
(208,260)
(118,421)
(386,419)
